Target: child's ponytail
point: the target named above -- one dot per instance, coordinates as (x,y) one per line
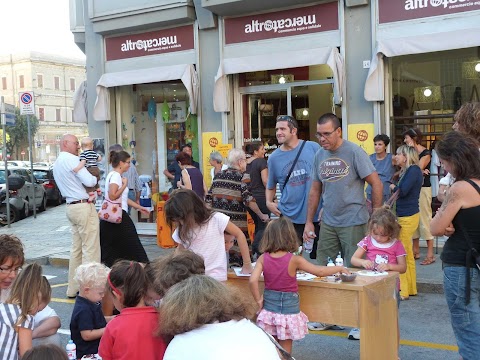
(128,279)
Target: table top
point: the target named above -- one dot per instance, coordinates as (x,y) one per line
(361,282)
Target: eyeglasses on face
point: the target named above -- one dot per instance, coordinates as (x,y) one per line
(327,134)
(10,270)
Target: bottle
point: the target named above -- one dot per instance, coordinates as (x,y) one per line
(71,349)
(339,260)
(330,262)
(308,244)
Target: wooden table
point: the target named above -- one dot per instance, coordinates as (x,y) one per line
(367,303)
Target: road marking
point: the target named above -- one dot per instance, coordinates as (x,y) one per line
(63,228)
(68,301)
(58,285)
(50,277)
(63,331)
(402,342)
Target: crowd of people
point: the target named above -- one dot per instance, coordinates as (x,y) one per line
(180,306)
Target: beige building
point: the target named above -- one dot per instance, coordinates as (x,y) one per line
(53,79)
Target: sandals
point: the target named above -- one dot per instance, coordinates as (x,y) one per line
(416,256)
(428,261)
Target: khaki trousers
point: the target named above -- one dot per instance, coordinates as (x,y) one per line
(85,240)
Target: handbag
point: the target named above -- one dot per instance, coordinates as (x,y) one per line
(109,210)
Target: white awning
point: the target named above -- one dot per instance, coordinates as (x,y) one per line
(186,73)
(417,44)
(80,105)
(285,59)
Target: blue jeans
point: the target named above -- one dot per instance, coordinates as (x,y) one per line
(132,195)
(465,318)
(281,302)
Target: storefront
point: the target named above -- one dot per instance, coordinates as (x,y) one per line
(149,94)
(283,62)
(423,71)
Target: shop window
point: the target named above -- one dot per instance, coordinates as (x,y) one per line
(56,81)
(4,83)
(427,90)
(41,114)
(40,81)
(58,114)
(21,81)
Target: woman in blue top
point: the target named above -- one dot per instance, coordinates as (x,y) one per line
(408,212)
(383,164)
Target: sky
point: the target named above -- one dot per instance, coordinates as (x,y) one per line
(37,25)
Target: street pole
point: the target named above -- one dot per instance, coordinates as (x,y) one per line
(4,126)
(31,168)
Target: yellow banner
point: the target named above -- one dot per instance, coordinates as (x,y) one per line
(212,141)
(362,135)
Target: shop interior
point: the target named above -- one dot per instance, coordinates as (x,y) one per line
(305,93)
(427,90)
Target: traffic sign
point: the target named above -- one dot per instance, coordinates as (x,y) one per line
(27,103)
(7,113)
(22,153)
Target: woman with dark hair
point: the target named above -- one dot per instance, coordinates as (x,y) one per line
(191,178)
(209,320)
(457,218)
(383,164)
(120,241)
(413,137)
(258,172)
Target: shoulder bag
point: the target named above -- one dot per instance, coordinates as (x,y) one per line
(110,211)
(293,164)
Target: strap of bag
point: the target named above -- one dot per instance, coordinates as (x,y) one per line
(293,165)
(107,184)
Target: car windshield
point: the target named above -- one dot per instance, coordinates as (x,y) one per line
(2,176)
(40,175)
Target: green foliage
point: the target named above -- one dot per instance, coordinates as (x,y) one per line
(19,133)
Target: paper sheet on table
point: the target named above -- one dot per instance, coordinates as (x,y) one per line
(300,276)
(238,270)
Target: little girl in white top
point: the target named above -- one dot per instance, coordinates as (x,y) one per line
(201,230)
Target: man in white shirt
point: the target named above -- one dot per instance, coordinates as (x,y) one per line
(81,214)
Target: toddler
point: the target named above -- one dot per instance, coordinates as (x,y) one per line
(380,250)
(88,323)
(130,335)
(280,314)
(16,314)
(89,160)
(166,271)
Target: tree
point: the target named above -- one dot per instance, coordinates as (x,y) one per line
(19,132)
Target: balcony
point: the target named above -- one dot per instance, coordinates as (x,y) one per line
(241,7)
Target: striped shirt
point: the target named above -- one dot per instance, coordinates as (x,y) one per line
(131,175)
(9,314)
(91,158)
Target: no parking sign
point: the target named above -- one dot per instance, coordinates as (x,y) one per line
(27,103)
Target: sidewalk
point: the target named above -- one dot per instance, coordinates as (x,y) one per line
(47,240)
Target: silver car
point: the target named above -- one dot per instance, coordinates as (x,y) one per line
(22,200)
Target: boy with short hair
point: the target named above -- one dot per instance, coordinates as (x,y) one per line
(89,160)
(88,322)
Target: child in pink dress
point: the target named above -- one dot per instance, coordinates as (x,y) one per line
(381,249)
(280,314)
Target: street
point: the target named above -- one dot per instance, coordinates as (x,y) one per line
(424,328)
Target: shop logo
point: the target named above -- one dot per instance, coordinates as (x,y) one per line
(283,25)
(162,43)
(420,4)
(333,169)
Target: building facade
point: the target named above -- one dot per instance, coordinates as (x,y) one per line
(54,80)
(169,72)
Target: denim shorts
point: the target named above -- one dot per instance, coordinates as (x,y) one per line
(465,318)
(281,302)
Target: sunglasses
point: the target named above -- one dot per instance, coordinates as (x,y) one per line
(287,118)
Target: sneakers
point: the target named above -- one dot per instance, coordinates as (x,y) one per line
(317,326)
(354,334)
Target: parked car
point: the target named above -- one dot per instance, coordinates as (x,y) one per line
(22,200)
(19,163)
(44,174)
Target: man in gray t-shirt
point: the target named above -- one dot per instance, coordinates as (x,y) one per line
(340,171)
